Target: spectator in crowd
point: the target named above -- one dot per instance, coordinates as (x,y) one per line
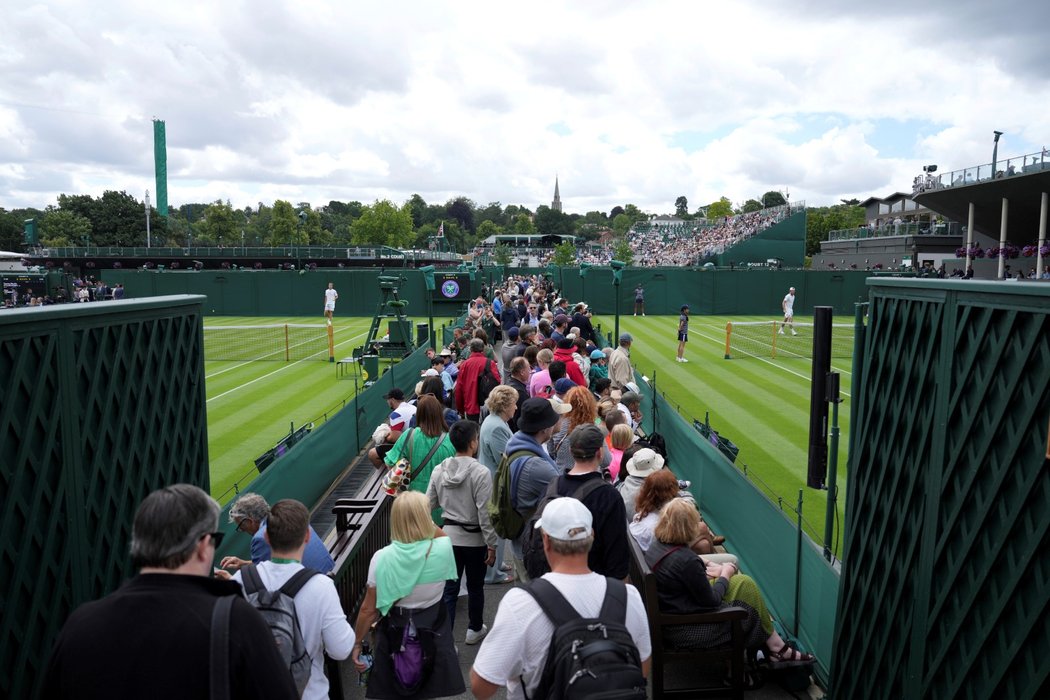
(641,464)
(151,638)
(508,316)
(602,390)
(610,554)
(401,413)
(531,356)
(564,354)
(620,370)
(509,350)
(581,318)
(405,585)
(540,384)
(599,368)
(526,338)
(495,432)
(438,365)
(584,412)
(620,438)
(424,446)
(320,614)
(631,407)
(251,512)
(685,584)
(533,473)
(561,327)
(470,372)
(462,486)
(582,358)
(450,364)
(520,373)
(515,652)
(657,491)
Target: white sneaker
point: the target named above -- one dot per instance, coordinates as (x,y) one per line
(475,637)
(677,359)
(683,360)
(793,332)
(781,332)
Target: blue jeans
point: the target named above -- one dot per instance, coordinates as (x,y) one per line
(472,560)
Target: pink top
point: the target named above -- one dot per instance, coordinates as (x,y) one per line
(539,383)
(614,465)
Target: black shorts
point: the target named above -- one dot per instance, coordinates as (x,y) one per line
(683,336)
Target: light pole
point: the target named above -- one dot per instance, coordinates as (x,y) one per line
(584,267)
(995,150)
(299,238)
(147,220)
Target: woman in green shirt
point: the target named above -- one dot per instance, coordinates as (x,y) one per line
(429,437)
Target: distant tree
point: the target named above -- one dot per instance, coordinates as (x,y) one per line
(523,225)
(462,210)
(221,224)
(634,213)
(383,223)
(820,221)
(622,251)
(773,199)
(681,207)
(418,208)
(59,227)
(720,209)
(488,228)
(751,205)
(564,253)
(11,231)
(283,223)
(550,222)
(493,212)
(502,255)
(614,212)
(118,219)
(313,232)
(851,202)
(621,223)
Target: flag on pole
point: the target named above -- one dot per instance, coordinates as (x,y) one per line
(441,229)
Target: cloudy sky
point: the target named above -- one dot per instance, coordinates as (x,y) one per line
(626,102)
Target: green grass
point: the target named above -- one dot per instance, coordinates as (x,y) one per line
(251,404)
(760,404)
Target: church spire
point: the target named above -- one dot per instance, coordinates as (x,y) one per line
(556,204)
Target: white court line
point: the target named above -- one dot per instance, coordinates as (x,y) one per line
(768,362)
(292,364)
(840,370)
(230,369)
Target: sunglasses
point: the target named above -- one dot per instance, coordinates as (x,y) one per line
(216,537)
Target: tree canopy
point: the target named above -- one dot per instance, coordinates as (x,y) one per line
(383,223)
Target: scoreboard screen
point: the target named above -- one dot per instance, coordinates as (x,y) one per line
(452,286)
(15,285)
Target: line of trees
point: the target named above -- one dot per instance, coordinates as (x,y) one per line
(118,219)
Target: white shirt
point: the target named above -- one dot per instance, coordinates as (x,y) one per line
(330,295)
(520,637)
(789,304)
(321,620)
(401,416)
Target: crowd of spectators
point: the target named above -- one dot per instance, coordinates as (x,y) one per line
(84,290)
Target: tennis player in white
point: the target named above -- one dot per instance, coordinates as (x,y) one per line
(788,307)
(330,295)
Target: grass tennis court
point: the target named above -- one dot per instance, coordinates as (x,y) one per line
(761,404)
(251,404)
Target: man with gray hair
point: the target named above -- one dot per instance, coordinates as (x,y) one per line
(620,370)
(514,654)
(250,512)
(153,637)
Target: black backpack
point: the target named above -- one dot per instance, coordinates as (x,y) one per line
(589,657)
(278,609)
(532,546)
(486,383)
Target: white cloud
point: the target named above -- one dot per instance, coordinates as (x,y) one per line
(318,101)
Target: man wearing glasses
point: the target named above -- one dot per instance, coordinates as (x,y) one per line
(250,512)
(152,638)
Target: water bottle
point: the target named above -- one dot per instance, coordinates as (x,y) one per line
(366,658)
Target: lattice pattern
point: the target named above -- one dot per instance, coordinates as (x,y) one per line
(945,578)
(96,411)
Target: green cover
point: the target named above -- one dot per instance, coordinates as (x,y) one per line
(160,164)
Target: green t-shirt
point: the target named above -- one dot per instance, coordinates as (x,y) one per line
(421,444)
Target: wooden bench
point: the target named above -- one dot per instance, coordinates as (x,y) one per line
(716,659)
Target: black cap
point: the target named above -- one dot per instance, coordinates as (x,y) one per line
(585,440)
(536,415)
(395,393)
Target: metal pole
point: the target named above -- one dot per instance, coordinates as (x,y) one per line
(833,463)
(798,567)
(969,236)
(1002,237)
(1039,261)
(147,220)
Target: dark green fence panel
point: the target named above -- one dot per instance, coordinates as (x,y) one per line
(786,241)
(946,573)
(100,404)
(310,468)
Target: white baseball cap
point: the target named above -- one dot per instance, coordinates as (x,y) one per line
(566,519)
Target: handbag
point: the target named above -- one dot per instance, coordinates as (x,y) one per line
(399,477)
(413,650)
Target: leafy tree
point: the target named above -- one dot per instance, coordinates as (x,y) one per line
(820,221)
(283,224)
(564,253)
(502,255)
(315,232)
(383,223)
(615,211)
(773,199)
(417,206)
(634,213)
(10,231)
(851,202)
(751,205)
(462,210)
(221,224)
(597,218)
(523,225)
(550,222)
(59,227)
(720,209)
(488,228)
(621,224)
(493,212)
(83,204)
(681,207)
(622,251)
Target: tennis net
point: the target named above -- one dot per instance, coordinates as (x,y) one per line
(280,342)
(771,339)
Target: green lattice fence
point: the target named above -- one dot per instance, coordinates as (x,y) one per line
(946,573)
(99,405)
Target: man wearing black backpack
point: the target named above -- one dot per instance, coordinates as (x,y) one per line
(543,634)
